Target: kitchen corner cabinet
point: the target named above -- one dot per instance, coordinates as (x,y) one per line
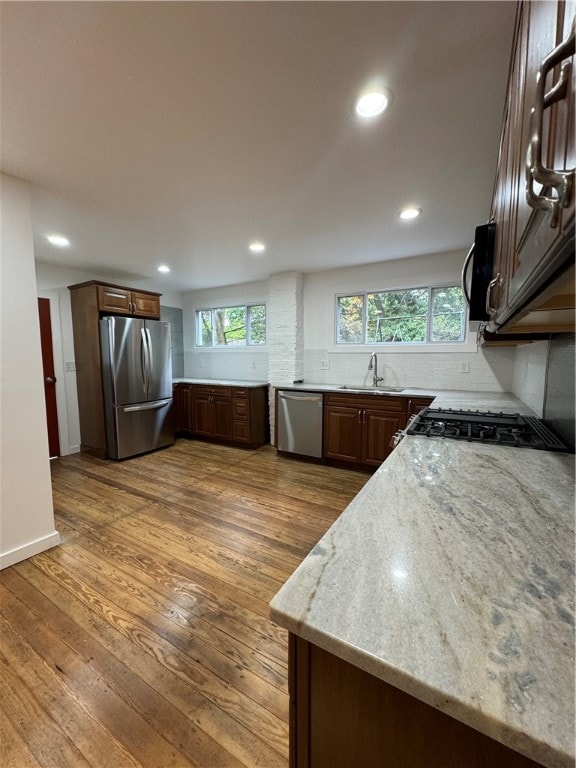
(533,276)
(343,717)
(90,301)
(226,414)
(360,430)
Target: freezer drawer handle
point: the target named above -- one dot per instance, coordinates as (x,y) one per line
(147,406)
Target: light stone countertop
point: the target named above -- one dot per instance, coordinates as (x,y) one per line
(221,382)
(451,577)
(443,398)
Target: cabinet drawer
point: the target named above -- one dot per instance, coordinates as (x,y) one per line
(373,402)
(240,392)
(240,409)
(241,430)
(203,389)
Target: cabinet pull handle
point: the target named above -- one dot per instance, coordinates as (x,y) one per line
(490,310)
(560,180)
(359,417)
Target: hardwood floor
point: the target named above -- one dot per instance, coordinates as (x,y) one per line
(144,639)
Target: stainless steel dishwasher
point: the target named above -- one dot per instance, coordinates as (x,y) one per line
(300,422)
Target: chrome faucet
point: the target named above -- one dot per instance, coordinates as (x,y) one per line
(373,366)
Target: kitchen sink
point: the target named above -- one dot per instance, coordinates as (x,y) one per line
(375,390)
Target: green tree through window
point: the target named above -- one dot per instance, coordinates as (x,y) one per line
(231,326)
(414,315)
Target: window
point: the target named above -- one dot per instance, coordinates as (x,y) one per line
(414,315)
(231,326)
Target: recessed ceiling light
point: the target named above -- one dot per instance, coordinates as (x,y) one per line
(61,242)
(410,213)
(257,247)
(163,268)
(372,104)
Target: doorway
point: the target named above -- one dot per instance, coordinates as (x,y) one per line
(49,377)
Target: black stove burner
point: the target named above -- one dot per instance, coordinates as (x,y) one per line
(510,429)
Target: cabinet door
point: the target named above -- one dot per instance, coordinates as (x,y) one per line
(187,408)
(536,239)
(177,407)
(531,246)
(378,432)
(203,415)
(146,305)
(222,416)
(115,300)
(342,433)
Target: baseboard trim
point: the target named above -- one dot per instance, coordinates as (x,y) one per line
(18,554)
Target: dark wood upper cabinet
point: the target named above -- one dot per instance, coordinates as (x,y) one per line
(115,300)
(533,206)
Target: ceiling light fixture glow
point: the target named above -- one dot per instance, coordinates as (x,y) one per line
(372,104)
(409,213)
(59,240)
(257,247)
(163,268)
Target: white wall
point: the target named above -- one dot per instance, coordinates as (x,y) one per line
(247,363)
(26,511)
(429,366)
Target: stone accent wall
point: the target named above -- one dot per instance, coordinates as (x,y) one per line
(285,332)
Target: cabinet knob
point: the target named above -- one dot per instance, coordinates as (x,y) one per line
(560,180)
(50,379)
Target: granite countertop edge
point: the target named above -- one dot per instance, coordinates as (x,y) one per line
(487,593)
(221,382)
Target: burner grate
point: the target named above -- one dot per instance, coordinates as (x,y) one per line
(508,429)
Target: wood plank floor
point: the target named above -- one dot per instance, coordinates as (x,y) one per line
(144,639)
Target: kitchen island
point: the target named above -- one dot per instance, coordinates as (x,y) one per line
(443,596)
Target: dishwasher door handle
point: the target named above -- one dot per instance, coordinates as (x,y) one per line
(302,399)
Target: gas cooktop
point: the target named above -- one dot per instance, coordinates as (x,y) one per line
(510,429)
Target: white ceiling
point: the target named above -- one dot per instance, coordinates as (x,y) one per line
(178,132)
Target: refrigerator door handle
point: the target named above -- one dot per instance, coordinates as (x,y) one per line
(144,360)
(150,356)
(147,406)
(111,351)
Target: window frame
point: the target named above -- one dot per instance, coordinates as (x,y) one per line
(428,341)
(248,341)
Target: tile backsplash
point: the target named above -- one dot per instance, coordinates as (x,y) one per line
(559,399)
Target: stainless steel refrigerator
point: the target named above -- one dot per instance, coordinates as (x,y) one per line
(137,383)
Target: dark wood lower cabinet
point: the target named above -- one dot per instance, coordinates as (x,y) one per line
(343,717)
(213,414)
(235,415)
(360,430)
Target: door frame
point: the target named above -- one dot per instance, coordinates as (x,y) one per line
(57,352)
